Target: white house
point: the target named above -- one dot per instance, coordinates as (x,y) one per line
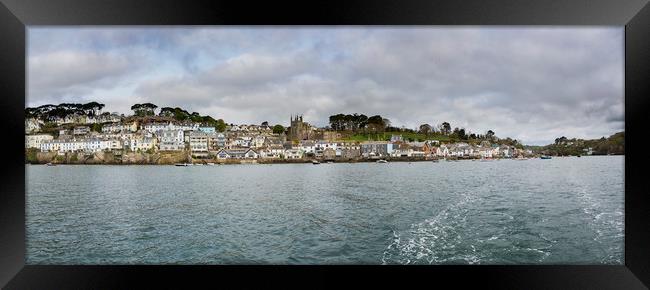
(32,125)
(172,140)
(119,127)
(442,151)
(80,130)
(142,143)
(272,153)
(307,146)
(293,154)
(237,154)
(34,141)
(258,141)
(198,143)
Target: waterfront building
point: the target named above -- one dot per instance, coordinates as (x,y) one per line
(329,154)
(485,152)
(307,146)
(237,154)
(376,149)
(172,140)
(34,141)
(293,154)
(63,146)
(198,143)
(401,150)
(272,153)
(321,146)
(505,151)
(348,150)
(142,143)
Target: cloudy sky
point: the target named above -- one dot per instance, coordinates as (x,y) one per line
(530,83)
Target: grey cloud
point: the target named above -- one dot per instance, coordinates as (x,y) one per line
(533,84)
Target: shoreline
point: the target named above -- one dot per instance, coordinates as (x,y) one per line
(201,162)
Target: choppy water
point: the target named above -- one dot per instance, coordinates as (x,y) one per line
(558,211)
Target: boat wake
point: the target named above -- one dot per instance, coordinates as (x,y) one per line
(435,240)
(457,235)
(606,224)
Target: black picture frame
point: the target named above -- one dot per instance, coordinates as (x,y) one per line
(16,15)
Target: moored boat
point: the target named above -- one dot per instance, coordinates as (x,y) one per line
(182,164)
(50,164)
(545,157)
(315,162)
(382,161)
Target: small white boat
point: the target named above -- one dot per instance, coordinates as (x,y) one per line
(210,163)
(382,161)
(315,162)
(50,164)
(182,164)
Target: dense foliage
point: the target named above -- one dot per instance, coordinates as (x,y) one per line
(50,112)
(278,129)
(183,115)
(614,144)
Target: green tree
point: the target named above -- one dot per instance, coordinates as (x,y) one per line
(377,123)
(97,127)
(489,135)
(146,109)
(445,128)
(220,125)
(425,129)
(278,129)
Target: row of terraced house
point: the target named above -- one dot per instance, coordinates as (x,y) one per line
(242,142)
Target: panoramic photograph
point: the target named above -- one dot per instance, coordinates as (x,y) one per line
(377,145)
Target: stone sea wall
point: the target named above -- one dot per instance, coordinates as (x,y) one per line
(168,158)
(160,158)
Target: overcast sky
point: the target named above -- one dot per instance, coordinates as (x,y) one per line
(530,83)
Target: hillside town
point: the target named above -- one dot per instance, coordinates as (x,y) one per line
(300,141)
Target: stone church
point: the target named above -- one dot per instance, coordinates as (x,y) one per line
(299,130)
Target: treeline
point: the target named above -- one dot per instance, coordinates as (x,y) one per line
(178,114)
(49,112)
(183,115)
(358,122)
(362,124)
(563,146)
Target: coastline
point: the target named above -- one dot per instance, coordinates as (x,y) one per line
(168,158)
